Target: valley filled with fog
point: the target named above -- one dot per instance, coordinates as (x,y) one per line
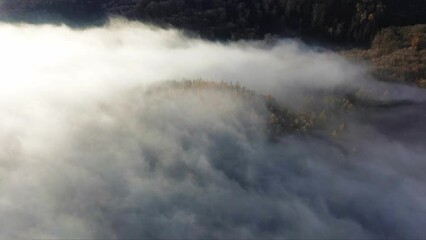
(128,131)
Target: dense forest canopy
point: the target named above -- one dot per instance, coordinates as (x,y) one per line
(353,22)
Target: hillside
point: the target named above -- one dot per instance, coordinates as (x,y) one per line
(321,113)
(397,54)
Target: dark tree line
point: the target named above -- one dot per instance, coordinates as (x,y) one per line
(346,21)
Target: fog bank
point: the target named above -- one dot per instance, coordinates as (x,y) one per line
(88,151)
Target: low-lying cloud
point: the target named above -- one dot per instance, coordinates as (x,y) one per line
(88,151)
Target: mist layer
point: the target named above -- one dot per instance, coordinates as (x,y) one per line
(91,150)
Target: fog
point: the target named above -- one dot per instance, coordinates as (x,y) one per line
(91,151)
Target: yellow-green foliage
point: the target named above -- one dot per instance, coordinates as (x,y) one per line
(280,120)
(394,38)
(397,54)
(315,112)
(191,85)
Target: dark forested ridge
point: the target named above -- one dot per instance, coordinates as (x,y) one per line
(349,21)
(353,22)
(71,12)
